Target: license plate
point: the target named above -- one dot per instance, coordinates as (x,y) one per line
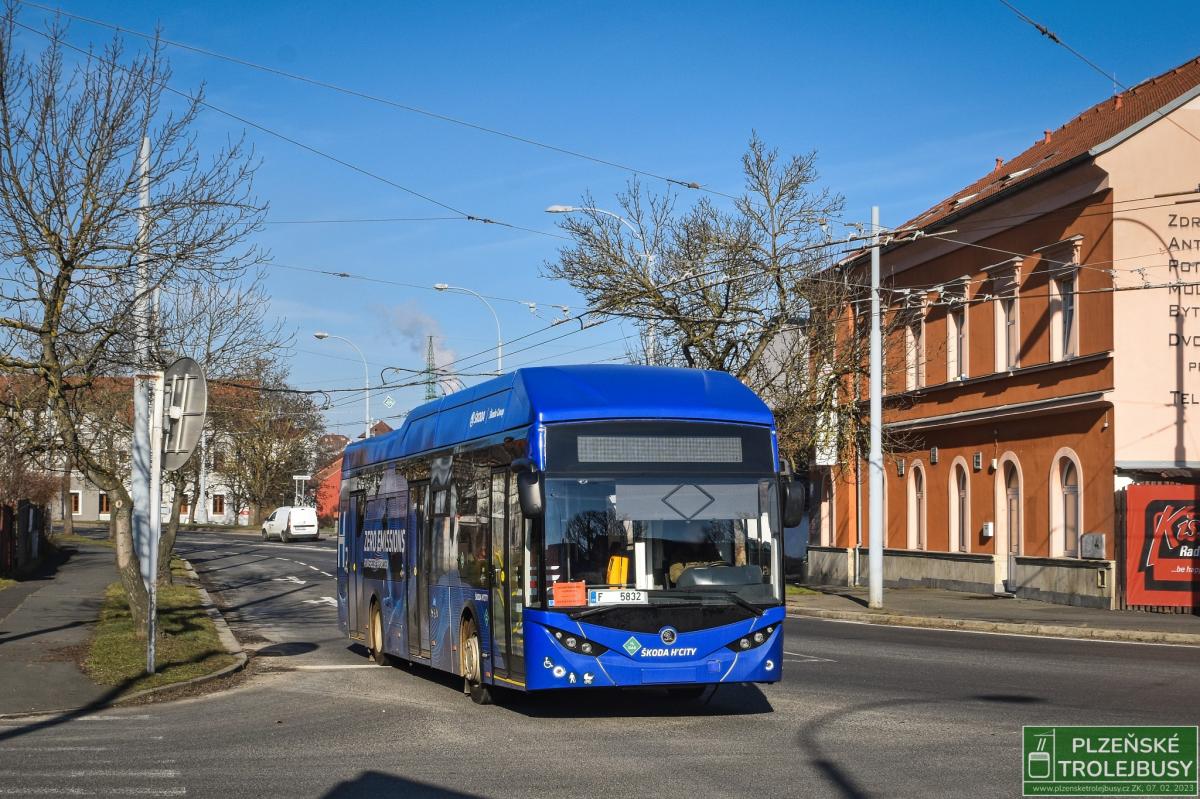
(619,596)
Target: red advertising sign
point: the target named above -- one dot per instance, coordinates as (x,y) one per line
(1162,551)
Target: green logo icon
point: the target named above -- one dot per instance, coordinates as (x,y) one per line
(632,646)
(1107,761)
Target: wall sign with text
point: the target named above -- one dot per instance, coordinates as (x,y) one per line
(1162,552)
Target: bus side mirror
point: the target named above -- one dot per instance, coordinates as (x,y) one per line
(529,488)
(795,497)
(529,493)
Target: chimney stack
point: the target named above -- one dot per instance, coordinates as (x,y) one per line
(1048,133)
(999,163)
(1118,101)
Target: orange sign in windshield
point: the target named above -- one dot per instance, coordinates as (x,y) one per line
(569,595)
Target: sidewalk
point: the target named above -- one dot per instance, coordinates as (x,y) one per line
(954,610)
(41,638)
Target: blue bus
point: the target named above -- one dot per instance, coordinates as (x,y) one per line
(572,527)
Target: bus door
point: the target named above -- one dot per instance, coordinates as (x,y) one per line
(418,570)
(508,578)
(354,555)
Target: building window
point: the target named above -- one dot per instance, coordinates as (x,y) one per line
(1067,508)
(956,344)
(1064,338)
(218,504)
(104,503)
(960,516)
(1012,508)
(1012,340)
(914,354)
(76,503)
(916,508)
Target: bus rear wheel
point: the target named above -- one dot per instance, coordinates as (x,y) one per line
(375,637)
(472,665)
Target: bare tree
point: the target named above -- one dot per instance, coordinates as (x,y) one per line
(70,247)
(265,435)
(749,291)
(223,327)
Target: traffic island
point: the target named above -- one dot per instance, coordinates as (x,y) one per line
(188,648)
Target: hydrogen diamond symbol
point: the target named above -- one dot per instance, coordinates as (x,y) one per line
(688,500)
(388,402)
(631,646)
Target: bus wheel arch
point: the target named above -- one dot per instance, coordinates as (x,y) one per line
(471,660)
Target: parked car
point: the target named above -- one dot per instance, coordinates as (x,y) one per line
(289,523)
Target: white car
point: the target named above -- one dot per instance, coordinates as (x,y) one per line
(288,523)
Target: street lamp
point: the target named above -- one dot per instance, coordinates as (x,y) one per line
(651,328)
(480,297)
(321,335)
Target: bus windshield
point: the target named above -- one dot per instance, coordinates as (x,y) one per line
(691,538)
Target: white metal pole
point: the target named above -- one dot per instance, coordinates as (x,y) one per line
(155,518)
(875,484)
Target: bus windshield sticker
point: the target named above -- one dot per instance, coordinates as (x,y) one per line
(568,595)
(616,597)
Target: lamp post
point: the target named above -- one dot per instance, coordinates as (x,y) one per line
(481,298)
(321,335)
(651,328)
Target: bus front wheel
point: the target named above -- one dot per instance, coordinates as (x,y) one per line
(472,665)
(376,637)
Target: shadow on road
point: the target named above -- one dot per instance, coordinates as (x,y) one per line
(102,702)
(840,777)
(375,783)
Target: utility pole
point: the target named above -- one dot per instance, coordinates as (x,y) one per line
(875,480)
(146,480)
(430,372)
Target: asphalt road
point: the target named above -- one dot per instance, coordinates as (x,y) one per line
(862,711)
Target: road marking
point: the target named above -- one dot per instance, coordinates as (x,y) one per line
(991,632)
(90,792)
(54,749)
(147,774)
(325,600)
(336,667)
(291,578)
(327,574)
(808,658)
(314,568)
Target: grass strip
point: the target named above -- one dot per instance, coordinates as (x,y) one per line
(799,590)
(187,643)
(6,583)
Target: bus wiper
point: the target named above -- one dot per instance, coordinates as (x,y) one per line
(726,592)
(755,609)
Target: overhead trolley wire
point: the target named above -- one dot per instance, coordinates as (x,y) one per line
(464,215)
(687,184)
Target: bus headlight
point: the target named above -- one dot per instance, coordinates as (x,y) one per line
(577,643)
(752,640)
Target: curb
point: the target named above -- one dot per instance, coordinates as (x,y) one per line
(224,635)
(1012,628)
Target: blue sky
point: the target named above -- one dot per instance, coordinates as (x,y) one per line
(904,104)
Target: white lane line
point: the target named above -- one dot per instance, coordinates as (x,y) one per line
(144,774)
(325,600)
(314,568)
(291,578)
(69,791)
(54,749)
(808,658)
(327,574)
(336,667)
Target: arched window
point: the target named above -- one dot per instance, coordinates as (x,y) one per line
(1066,504)
(1070,506)
(1012,508)
(916,508)
(960,509)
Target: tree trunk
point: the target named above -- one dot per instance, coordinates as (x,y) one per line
(166,540)
(127,563)
(68,521)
